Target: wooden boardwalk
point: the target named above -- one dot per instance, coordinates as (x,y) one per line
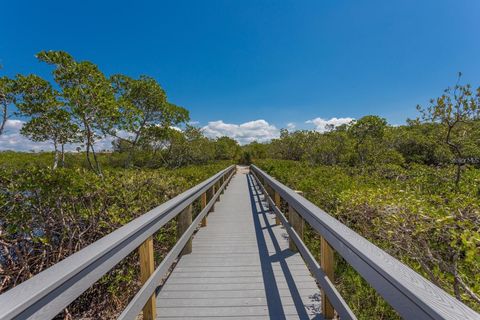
(240,267)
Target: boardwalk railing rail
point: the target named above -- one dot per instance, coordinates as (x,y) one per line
(49,292)
(410,294)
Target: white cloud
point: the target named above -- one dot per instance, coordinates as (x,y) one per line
(257,130)
(291,126)
(13,125)
(12,139)
(321,124)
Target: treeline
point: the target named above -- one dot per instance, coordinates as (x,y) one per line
(447,133)
(83,106)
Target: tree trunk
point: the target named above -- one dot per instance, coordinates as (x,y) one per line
(456,151)
(89,145)
(88,156)
(55,159)
(97,165)
(4,117)
(63,155)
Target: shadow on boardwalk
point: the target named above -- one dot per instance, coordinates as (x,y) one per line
(274,301)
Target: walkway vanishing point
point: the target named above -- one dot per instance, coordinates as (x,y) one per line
(240,266)
(239,255)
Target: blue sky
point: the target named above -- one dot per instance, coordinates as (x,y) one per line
(280,61)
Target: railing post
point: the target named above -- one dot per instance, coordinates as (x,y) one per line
(297,224)
(147,267)
(203,204)
(269,192)
(278,204)
(217,187)
(183,222)
(212,193)
(328,264)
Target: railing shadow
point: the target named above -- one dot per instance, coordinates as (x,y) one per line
(275,307)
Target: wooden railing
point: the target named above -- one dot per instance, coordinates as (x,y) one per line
(49,292)
(411,295)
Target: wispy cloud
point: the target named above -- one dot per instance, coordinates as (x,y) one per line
(291,126)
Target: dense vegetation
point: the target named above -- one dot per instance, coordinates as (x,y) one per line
(46,215)
(414,190)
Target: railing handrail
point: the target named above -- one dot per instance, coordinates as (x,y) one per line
(410,294)
(49,292)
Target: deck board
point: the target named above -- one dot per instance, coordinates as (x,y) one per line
(240,267)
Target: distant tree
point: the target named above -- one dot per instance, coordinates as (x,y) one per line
(292,145)
(48,118)
(329,148)
(418,142)
(226,148)
(257,150)
(200,148)
(368,133)
(455,110)
(7,97)
(246,158)
(143,104)
(158,139)
(89,96)
(187,147)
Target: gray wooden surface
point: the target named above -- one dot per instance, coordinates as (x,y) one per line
(241,267)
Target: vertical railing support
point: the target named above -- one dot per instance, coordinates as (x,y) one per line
(327,263)
(297,223)
(278,204)
(183,222)
(210,197)
(217,187)
(203,204)
(270,193)
(147,267)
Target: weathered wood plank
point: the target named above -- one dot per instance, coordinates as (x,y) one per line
(310,295)
(229,311)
